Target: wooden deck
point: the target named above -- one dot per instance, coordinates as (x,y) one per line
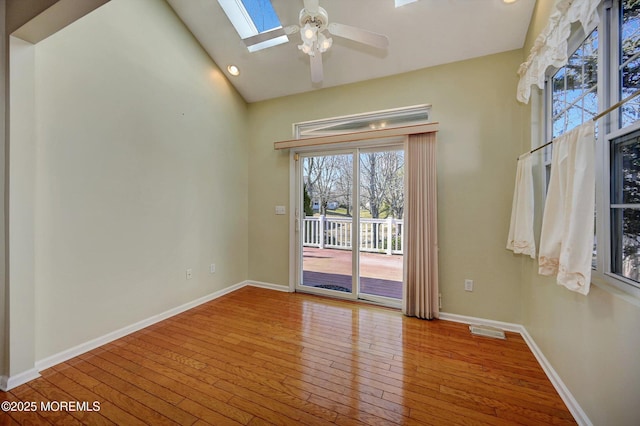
(380,274)
(258,357)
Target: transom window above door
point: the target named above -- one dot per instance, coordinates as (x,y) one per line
(391,118)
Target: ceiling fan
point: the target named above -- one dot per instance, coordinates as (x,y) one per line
(313,23)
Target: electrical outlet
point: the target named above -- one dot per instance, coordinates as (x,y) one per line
(468,285)
(189,273)
(212,268)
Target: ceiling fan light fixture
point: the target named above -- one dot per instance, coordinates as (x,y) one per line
(313,23)
(306,48)
(324,43)
(309,33)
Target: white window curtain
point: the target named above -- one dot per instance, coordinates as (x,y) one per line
(521,238)
(550,48)
(421,283)
(566,240)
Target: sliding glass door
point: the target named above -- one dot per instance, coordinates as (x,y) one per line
(381,193)
(349,224)
(327,223)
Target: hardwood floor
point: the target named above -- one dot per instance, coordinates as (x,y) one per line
(257,357)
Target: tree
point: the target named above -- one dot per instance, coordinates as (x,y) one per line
(394,195)
(371,183)
(321,173)
(344,182)
(630,73)
(382,183)
(308,209)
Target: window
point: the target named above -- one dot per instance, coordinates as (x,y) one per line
(574,88)
(253,17)
(397,117)
(573,93)
(603,69)
(629,63)
(625,206)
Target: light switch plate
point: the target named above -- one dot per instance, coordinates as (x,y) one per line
(468,285)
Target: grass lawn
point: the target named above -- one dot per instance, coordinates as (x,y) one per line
(342,212)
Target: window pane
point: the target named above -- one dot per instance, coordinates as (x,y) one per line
(625,170)
(630,111)
(629,28)
(625,245)
(629,61)
(625,200)
(581,108)
(574,88)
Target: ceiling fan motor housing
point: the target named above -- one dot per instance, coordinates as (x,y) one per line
(320,18)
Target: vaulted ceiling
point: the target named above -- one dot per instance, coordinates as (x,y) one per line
(421,34)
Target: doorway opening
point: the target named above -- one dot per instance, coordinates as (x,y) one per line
(349,223)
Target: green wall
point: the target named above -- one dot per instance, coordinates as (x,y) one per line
(591,341)
(140,173)
(479,141)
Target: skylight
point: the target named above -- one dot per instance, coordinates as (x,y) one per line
(403,2)
(262,14)
(253,17)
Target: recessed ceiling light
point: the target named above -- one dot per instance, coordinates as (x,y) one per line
(509,1)
(233,70)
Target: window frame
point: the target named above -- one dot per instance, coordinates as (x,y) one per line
(609,129)
(375,120)
(604,272)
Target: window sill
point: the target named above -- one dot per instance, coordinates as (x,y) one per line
(616,287)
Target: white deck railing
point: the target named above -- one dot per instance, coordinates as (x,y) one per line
(376,235)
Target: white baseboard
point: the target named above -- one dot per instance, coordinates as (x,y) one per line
(578,413)
(507,326)
(269,286)
(576,410)
(9,382)
(109,337)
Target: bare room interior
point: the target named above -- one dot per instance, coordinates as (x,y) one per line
(215,212)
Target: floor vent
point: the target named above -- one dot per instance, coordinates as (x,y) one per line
(487,331)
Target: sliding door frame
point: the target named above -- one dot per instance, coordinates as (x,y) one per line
(355,224)
(296,216)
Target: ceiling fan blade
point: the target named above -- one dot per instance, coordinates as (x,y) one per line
(316,67)
(358,34)
(291,29)
(311,6)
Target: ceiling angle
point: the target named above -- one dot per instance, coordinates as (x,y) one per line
(314,29)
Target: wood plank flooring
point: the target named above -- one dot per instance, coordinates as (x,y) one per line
(257,357)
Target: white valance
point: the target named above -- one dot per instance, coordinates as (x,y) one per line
(550,48)
(388,132)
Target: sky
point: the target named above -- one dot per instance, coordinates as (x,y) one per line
(262,13)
